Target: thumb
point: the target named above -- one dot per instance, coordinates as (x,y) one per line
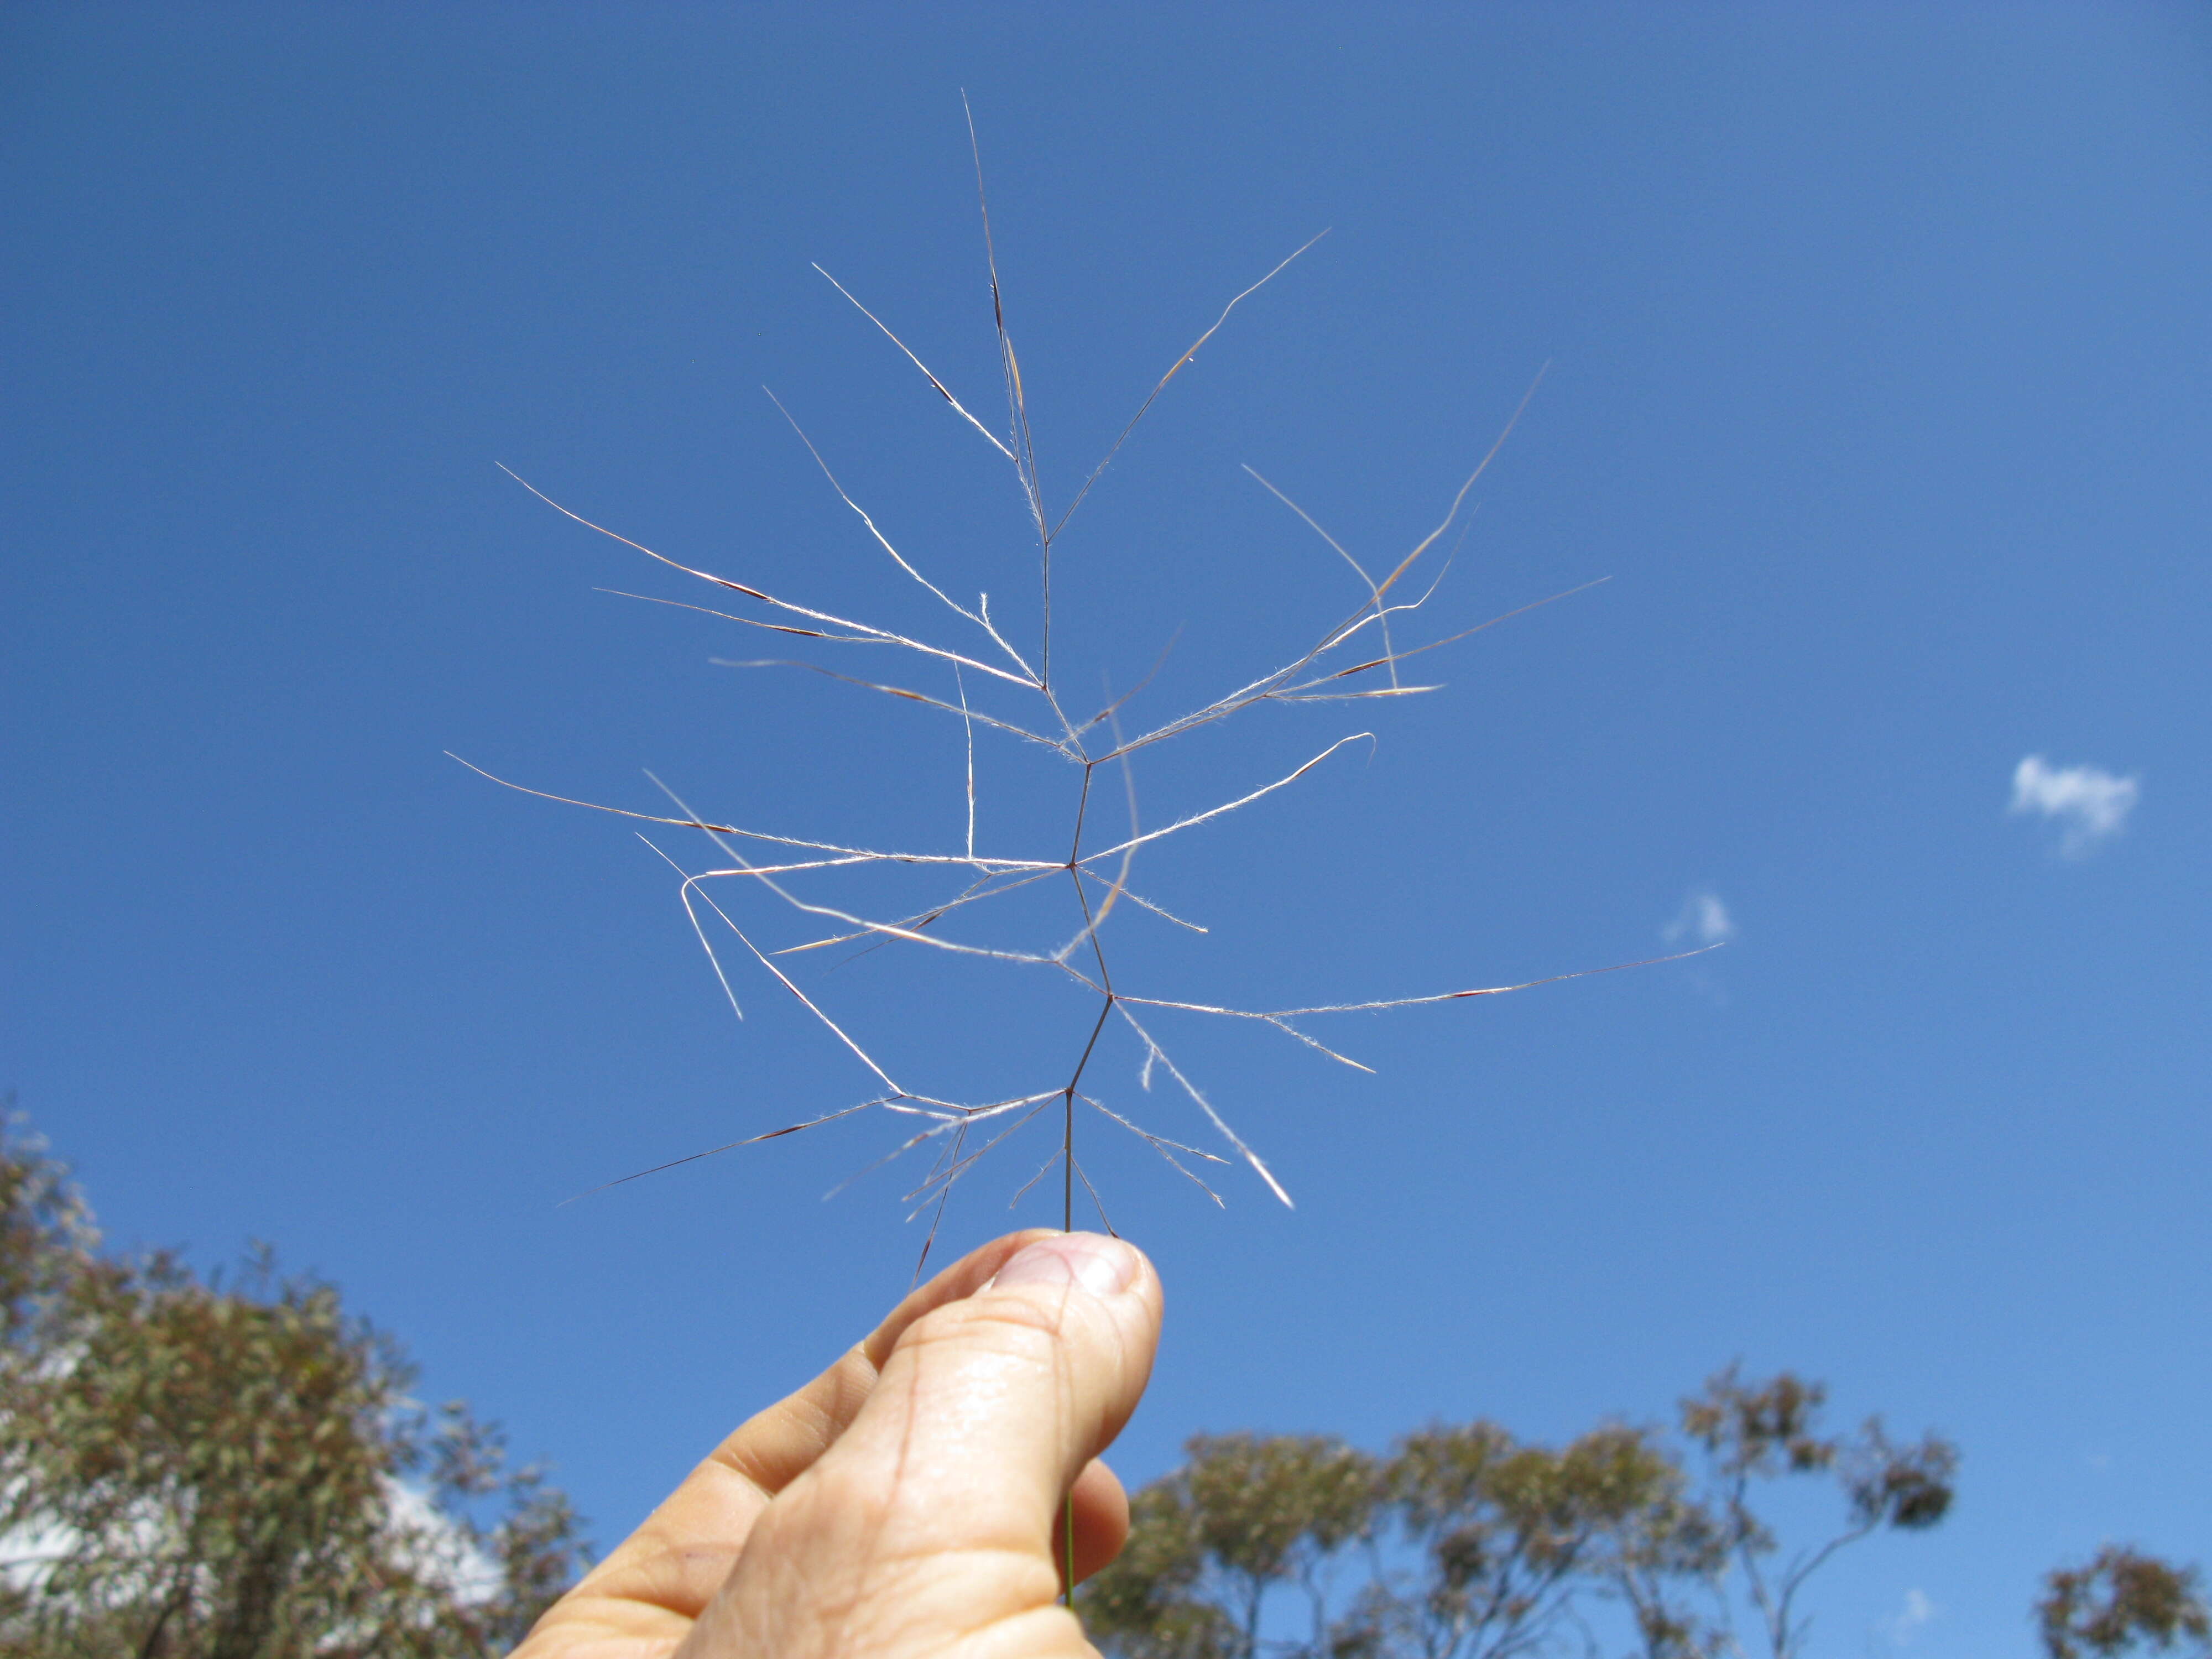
(927,1526)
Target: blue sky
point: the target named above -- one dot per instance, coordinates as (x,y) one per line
(1878,344)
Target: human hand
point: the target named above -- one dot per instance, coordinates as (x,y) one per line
(908,1501)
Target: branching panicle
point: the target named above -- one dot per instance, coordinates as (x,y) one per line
(1098,880)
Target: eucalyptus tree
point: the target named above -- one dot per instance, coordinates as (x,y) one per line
(1464,1543)
(1246,1515)
(1505,1535)
(1467,1542)
(1755,1433)
(2123,1601)
(235,1469)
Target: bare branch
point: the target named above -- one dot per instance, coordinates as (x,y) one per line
(1154,1052)
(919,364)
(888,929)
(1160,1143)
(973,893)
(1228,807)
(1174,370)
(1358,570)
(1053,743)
(882,635)
(857,854)
(728,1146)
(1141,901)
(883,542)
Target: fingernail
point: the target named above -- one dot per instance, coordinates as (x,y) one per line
(1102,1266)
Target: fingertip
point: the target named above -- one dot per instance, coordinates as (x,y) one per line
(1101,1265)
(1099,1299)
(964,1277)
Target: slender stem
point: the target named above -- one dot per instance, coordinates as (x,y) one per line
(1067,1122)
(1068,1225)
(1067,1125)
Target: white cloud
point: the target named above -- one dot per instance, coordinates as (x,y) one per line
(1917,1613)
(420,1538)
(1702,917)
(2089,805)
(428,1542)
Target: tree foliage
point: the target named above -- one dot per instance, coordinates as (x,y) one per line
(236,1469)
(1752,1433)
(1505,1534)
(1465,1542)
(2123,1601)
(1245,1514)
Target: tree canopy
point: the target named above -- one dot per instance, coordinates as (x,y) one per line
(1465,1542)
(2123,1601)
(234,1466)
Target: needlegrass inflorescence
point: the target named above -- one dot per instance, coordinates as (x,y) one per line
(990,683)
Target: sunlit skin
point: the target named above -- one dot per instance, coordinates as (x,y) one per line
(908,1500)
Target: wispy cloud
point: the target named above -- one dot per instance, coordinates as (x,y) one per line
(2089,805)
(1917,1613)
(1702,917)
